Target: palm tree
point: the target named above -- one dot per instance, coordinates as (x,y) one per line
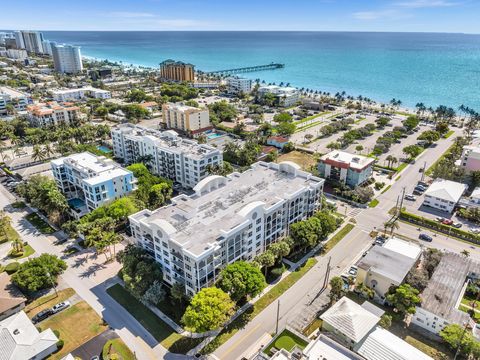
(17,245)
(465,253)
(48,150)
(38,153)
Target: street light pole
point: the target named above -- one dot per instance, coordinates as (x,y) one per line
(53,282)
(278,315)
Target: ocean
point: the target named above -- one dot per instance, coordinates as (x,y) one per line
(436,69)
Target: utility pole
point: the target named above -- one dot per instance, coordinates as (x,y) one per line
(278,315)
(460,341)
(423,171)
(327,274)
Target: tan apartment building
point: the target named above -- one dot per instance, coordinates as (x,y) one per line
(177,71)
(187,119)
(52,113)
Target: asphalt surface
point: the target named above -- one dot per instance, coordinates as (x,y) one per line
(94,346)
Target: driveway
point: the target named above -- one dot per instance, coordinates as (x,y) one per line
(94,346)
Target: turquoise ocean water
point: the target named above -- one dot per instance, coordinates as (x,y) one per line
(431,68)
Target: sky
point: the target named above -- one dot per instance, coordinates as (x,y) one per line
(314,15)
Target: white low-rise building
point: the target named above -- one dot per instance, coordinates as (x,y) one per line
(20,339)
(89,181)
(80,94)
(286,96)
(236,85)
(184,161)
(444,194)
(442,297)
(226,219)
(17,99)
(470,159)
(387,265)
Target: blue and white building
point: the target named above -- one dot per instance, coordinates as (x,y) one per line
(346,168)
(89,181)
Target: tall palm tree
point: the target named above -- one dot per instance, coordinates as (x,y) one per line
(17,245)
(48,150)
(38,153)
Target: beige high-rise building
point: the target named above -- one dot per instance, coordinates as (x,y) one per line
(177,71)
(187,119)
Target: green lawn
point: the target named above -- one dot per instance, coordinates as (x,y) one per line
(27,251)
(47,301)
(8,234)
(448,134)
(308,118)
(258,307)
(18,205)
(163,333)
(337,237)
(39,223)
(76,325)
(386,189)
(402,166)
(118,347)
(314,325)
(286,340)
(373,203)
(476,315)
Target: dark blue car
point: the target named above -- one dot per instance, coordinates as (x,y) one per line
(425,237)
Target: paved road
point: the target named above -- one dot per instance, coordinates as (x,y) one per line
(295,300)
(89,278)
(94,347)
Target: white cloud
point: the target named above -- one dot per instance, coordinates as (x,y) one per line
(417,4)
(374,15)
(128,14)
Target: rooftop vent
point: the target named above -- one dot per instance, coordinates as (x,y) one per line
(16,332)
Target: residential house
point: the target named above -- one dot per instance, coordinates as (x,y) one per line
(278,141)
(11,298)
(444,194)
(20,339)
(387,265)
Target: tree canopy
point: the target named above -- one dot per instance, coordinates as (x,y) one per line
(241,280)
(208,310)
(39,273)
(404,298)
(455,335)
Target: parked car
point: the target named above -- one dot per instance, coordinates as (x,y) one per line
(60,306)
(353,270)
(424,184)
(447,222)
(439,219)
(475,230)
(42,315)
(410,197)
(365,254)
(457,225)
(425,237)
(420,187)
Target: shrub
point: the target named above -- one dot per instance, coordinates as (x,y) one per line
(57,333)
(12,267)
(60,344)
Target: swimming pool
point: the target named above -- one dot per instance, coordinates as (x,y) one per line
(213,135)
(104,149)
(76,203)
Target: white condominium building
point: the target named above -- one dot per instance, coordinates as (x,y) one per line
(15,54)
(89,181)
(182,160)
(226,219)
(47,47)
(52,113)
(80,94)
(17,99)
(286,96)
(67,59)
(239,85)
(187,119)
(32,41)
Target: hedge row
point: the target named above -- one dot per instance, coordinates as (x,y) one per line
(435,225)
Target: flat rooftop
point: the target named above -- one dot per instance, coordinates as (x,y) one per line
(183,108)
(166,139)
(445,287)
(196,222)
(387,262)
(344,159)
(70,91)
(11,92)
(99,168)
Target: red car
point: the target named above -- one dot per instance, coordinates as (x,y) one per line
(447,222)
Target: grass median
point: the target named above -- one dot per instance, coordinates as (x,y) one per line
(373,203)
(160,330)
(39,223)
(258,307)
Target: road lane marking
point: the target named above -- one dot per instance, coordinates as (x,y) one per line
(240,340)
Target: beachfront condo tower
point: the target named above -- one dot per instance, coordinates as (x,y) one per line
(67,58)
(177,71)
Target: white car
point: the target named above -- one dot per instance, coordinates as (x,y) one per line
(353,270)
(410,197)
(60,306)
